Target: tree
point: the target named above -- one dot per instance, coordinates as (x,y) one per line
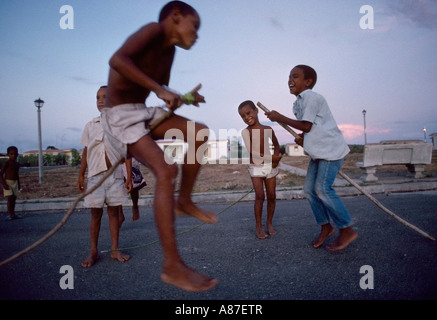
(75,158)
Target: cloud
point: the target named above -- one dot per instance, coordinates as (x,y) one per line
(353,131)
(422,13)
(276,23)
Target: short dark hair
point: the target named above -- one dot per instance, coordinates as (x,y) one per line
(184,8)
(248,103)
(308,73)
(12,148)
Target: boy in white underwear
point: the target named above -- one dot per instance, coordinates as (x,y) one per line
(263,165)
(142,65)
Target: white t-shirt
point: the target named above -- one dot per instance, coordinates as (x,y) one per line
(325,140)
(92,138)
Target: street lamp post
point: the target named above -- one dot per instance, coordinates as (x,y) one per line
(424,134)
(39,103)
(365,135)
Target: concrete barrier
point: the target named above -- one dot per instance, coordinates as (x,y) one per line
(415,154)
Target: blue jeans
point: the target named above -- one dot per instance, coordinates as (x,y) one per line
(324,201)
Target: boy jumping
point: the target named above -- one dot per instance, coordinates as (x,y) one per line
(142,65)
(323,141)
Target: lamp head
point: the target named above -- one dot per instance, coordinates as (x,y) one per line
(39,103)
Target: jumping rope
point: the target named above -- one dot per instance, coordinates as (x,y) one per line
(368,195)
(188,98)
(182,232)
(66,216)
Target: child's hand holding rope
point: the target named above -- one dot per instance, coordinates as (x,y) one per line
(193,97)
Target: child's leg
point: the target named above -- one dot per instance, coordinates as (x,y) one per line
(319,210)
(174,272)
(11,205)
(191,165)
(121,217)
(135,195)
(258,206)
(96,218)
(114,228)
(327,171)
(271,203)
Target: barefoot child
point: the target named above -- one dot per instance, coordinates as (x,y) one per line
(111,192)
(263,166)
(10,179)
(142,65)
(323,141)
(138,182)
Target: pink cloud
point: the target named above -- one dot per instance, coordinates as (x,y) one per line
(352,131)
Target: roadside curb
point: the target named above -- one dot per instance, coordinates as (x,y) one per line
(282,193)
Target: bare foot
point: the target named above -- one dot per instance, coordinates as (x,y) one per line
(135,213)
(185,278)
(120,256)
(90,261)
(346,237)
(261,234)
(271,230)
(326,231)
(190,209)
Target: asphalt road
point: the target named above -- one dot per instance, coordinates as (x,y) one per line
(401,263)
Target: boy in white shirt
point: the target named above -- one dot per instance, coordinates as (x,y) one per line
(111,192)
(323,141)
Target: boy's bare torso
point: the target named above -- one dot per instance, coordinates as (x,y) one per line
(154,60)
(10,170)
(258,144)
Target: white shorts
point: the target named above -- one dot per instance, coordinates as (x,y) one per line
(13,188)
(112,192)
(126,124)
(263,171)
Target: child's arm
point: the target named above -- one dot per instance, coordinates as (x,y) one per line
(123,62)
(299,140)
(276,147)
(2,172)
(83,166)
(304,126)
(245,134)
(18,176)
(128,182)
(276,150)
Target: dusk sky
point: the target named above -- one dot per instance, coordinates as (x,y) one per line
(245,50)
